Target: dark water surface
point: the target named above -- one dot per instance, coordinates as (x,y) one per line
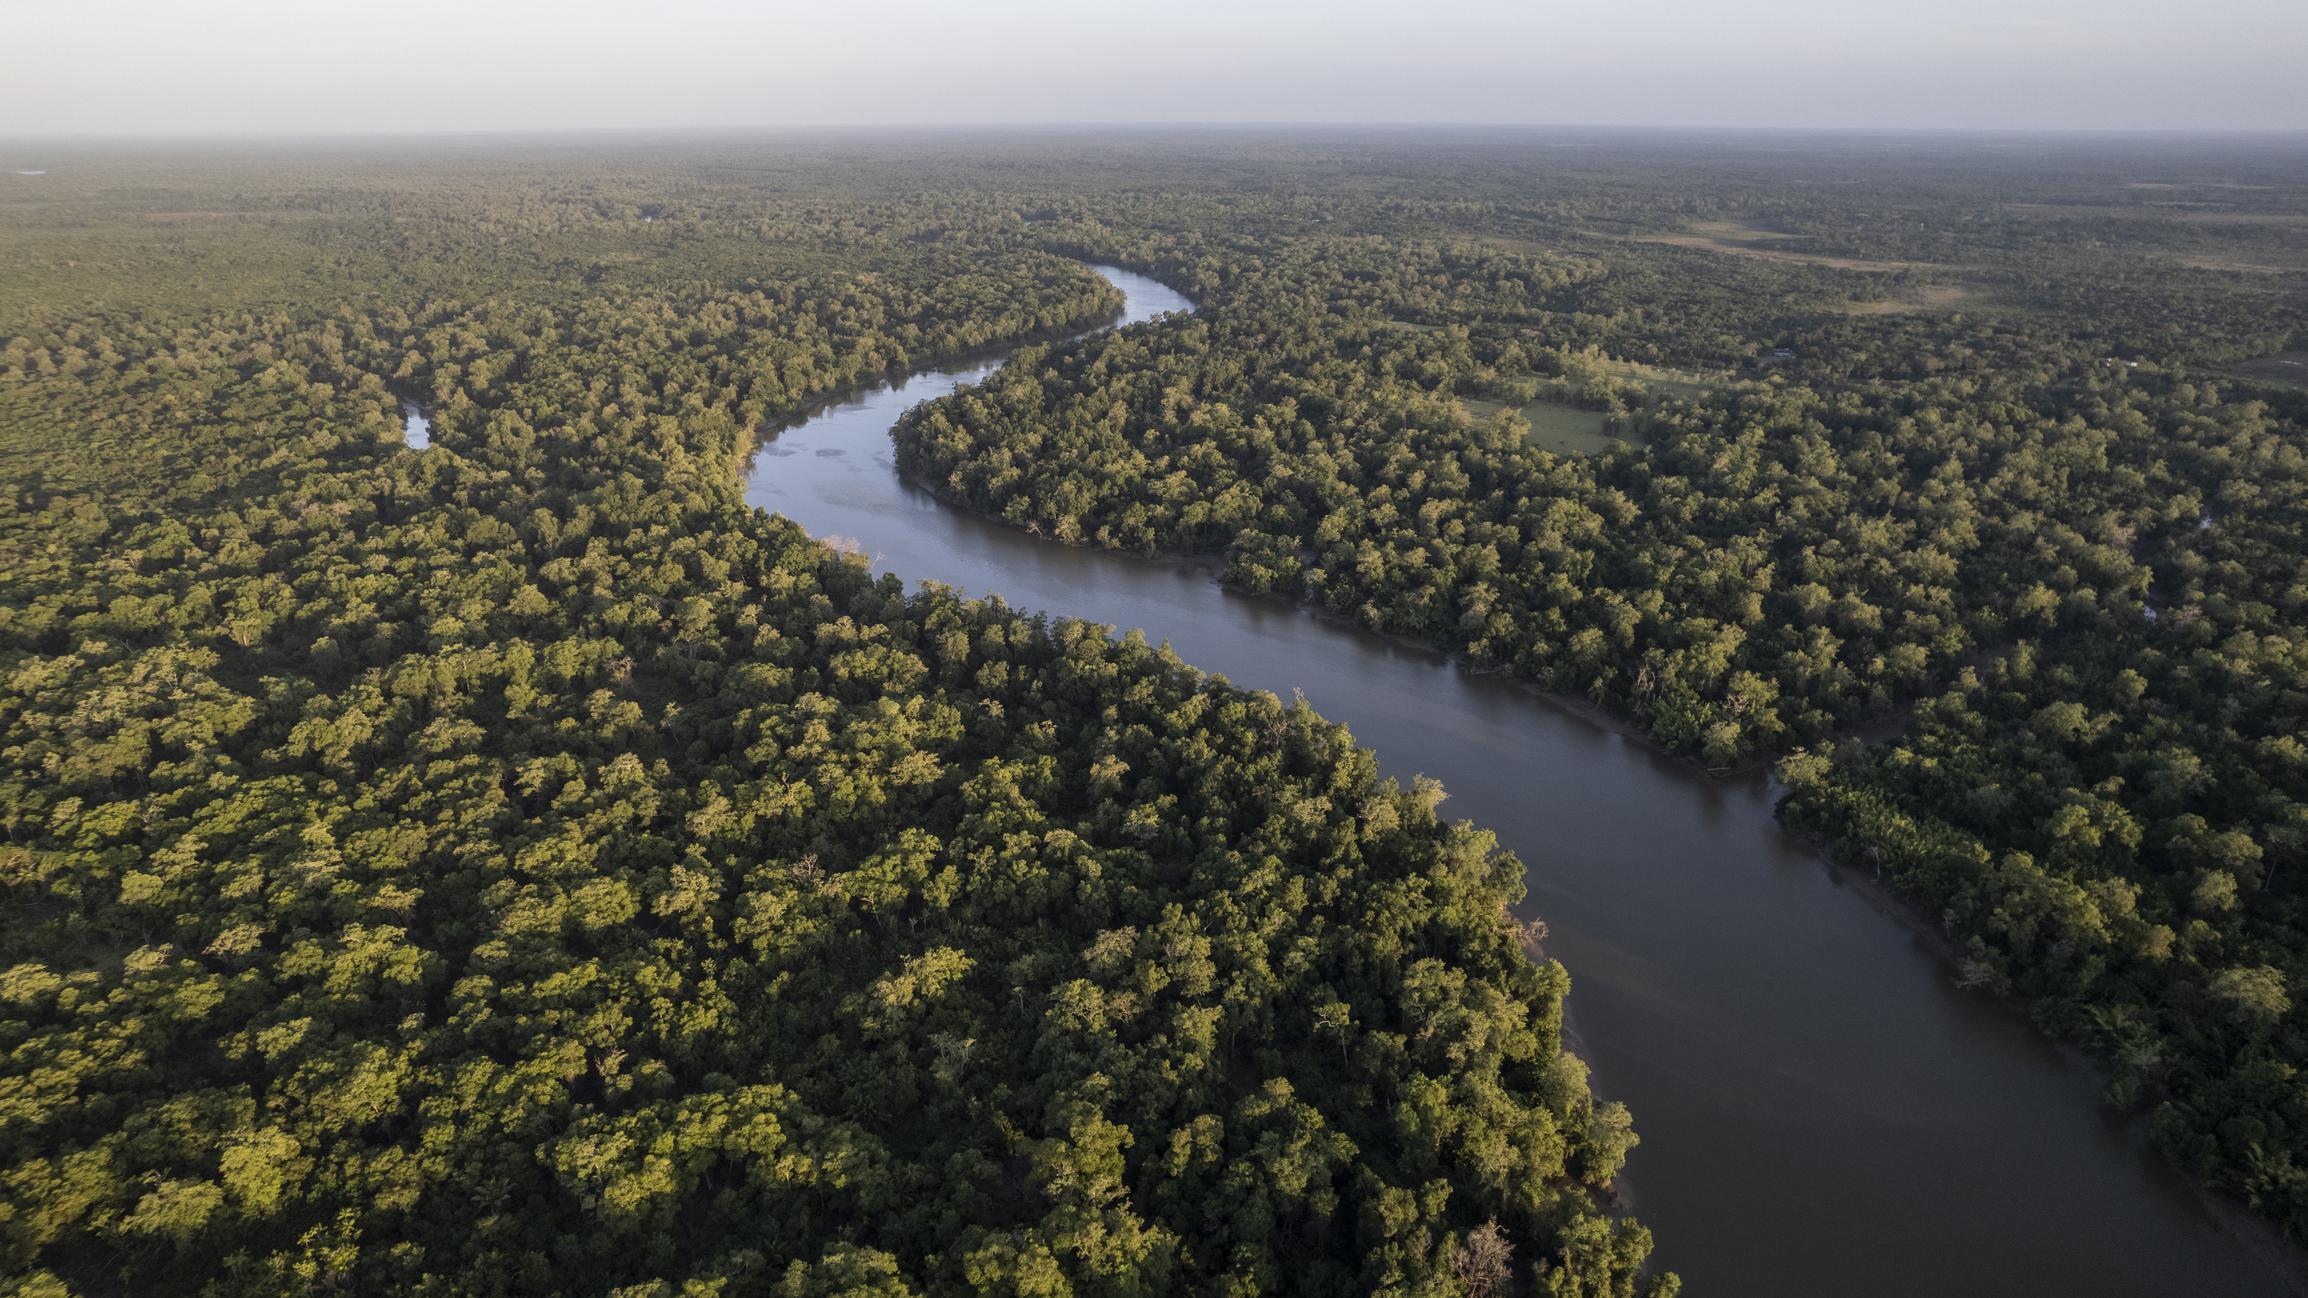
(1822,1112)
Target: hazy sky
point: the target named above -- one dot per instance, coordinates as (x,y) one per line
(199,66)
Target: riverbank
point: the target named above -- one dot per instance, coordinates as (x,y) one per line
(1822,1112)
(2256,1233)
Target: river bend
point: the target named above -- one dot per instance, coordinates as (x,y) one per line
(1822,1112)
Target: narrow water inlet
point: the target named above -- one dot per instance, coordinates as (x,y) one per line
(416,429)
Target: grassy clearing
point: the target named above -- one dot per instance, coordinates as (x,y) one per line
(1923,297)
(1659,380)
(1558,425)
(2286,369)
(1748,241)
(1734,230)
(1563,429)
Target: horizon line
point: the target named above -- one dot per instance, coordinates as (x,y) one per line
(1092,127)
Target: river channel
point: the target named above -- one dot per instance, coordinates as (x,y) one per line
(1822,1111)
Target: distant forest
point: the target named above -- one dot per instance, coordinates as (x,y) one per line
(520,866)
(2002,462)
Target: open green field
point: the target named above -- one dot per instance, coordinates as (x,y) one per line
(1564,429)
(1659,380)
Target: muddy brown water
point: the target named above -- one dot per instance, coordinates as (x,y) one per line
(1822,1111)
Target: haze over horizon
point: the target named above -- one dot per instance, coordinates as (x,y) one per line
(140,67)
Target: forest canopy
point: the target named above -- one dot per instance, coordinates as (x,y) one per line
(520,867)
(1997,459)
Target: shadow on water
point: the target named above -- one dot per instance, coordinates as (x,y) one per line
(1822,1111)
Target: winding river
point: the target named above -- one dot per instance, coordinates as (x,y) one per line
(1823,1113)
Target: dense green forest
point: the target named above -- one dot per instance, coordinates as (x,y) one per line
(1994,455)
(519,867)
